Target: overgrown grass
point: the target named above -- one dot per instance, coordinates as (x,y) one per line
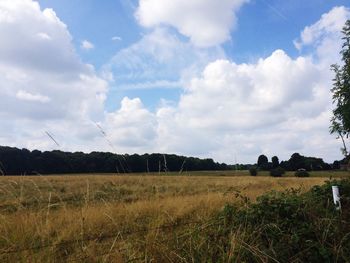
(151,218)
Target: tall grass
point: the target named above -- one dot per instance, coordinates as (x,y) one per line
(122,218)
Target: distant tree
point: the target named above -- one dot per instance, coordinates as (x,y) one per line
(253,171)
(336,165)
(296,161)
(327,167)
(285,165)
(277,172)
(14,161)
(275,162)
(340,122)
(263,162)
(301,173)
(314,164)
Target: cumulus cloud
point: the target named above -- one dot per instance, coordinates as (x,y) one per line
(86,45)
(277,105)
(239,104)
(246,96)
(41,42)
(44,36)
(132,127)
(329,24)
(24,95)
(324,35)
(43,83)
(206,23)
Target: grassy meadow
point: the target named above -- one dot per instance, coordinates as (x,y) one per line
(124,218)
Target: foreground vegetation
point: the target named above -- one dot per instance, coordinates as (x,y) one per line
(145,218)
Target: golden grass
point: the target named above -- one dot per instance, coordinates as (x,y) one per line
(48,210)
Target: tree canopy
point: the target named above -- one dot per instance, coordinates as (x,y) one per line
(340,122)
(22,161)
(275,162)
(263,162)
(298,161)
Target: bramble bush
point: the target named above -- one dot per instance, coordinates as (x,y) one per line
(295,227)
(287,226)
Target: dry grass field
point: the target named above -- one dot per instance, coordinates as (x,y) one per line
(119,218)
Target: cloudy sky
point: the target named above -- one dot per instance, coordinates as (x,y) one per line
(228,79)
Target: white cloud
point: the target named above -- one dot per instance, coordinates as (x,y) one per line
(329,24)
(24,95)
(158,58)
(324,35)
(235,106)
(277,105)
(44,36)
(116,38)
(246,96)
(43,83)
(86,45)
(205,22)
(41,41)
(132,127)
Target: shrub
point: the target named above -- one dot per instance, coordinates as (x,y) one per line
(302,173)
(277,172)
(289,226)
(253,171)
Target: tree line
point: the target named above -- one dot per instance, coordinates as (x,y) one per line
(297,161)
(14,161)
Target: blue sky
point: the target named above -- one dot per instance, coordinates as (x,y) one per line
(202,78)
(98,22)
(263,26)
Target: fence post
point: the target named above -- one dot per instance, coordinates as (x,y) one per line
(336,197)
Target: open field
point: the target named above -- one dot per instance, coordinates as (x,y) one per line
(122,218)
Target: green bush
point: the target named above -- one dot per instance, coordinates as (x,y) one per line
(291,227)
(287,226)
(253,171)
(277,172)
(301,173)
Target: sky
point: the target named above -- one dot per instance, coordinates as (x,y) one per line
(227,80)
